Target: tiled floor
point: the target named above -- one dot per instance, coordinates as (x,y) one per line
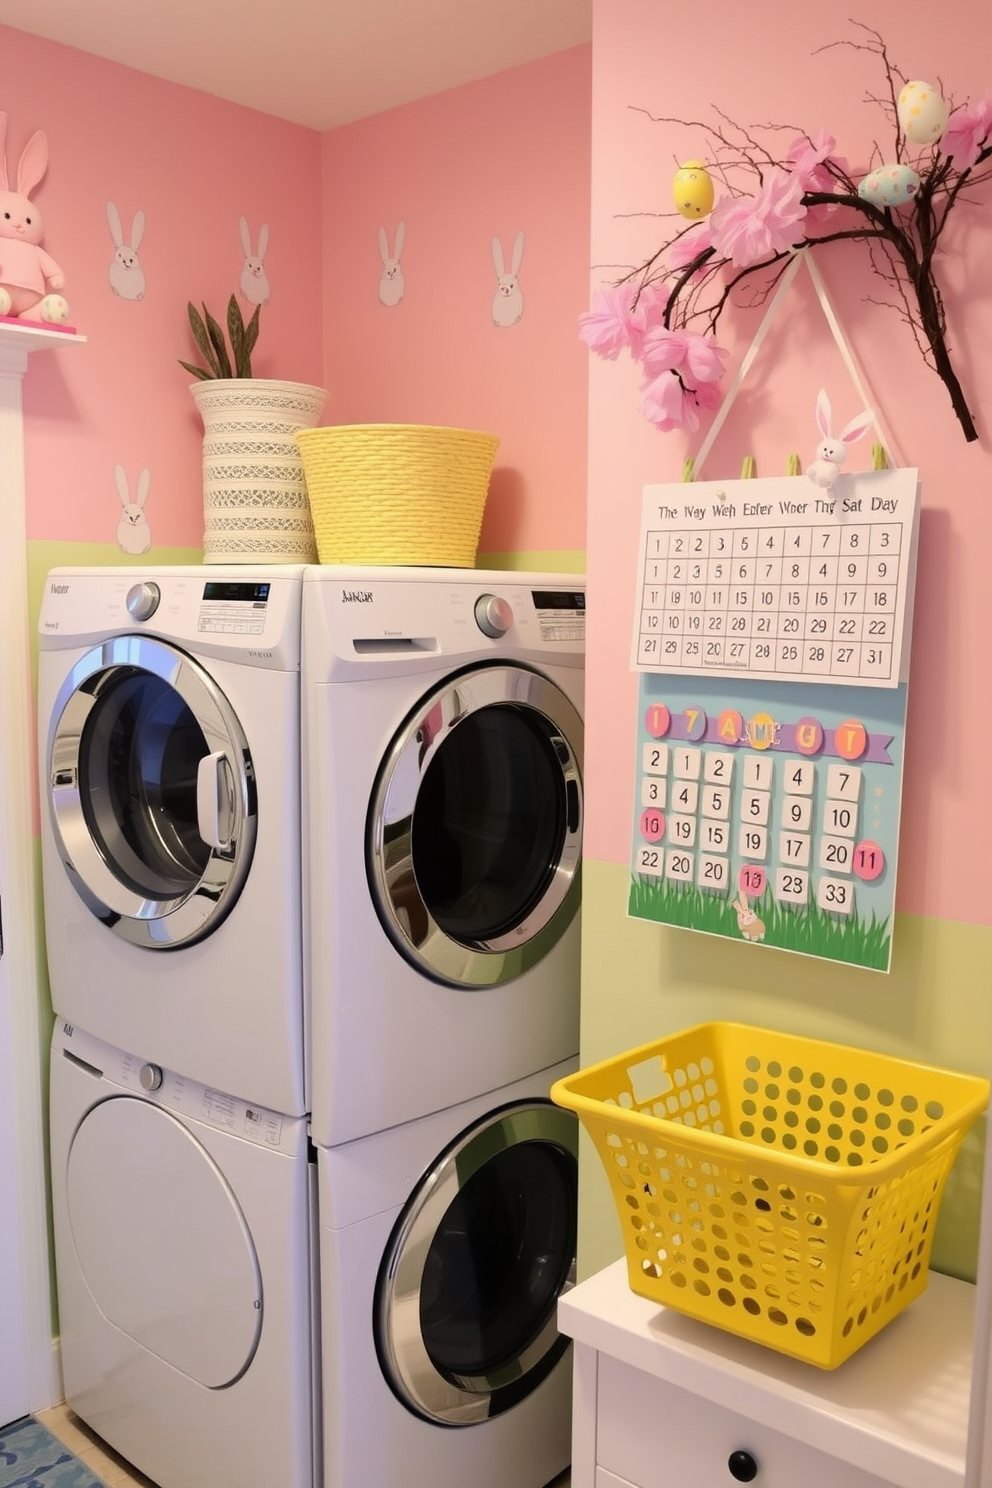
(99,1458)
(113,1470)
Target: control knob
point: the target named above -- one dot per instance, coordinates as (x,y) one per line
(143,600)
(493,615)
(150,1076)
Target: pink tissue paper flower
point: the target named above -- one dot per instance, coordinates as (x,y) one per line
(688,246)
(809,158)
(697,359)
(967,131)
(747,229)
(668,405)
(618,319)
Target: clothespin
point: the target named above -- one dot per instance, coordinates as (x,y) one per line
(688,468)
(794,467)
(748,468)
(879,459)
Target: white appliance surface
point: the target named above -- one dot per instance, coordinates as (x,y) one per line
(369,1436)
(183,1246)
(390,1041)
(225,1006)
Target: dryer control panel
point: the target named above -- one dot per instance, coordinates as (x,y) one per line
(187,1098)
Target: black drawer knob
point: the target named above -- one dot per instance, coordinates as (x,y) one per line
(742,1467)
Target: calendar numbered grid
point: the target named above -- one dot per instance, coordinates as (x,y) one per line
(788,602)
(793,824)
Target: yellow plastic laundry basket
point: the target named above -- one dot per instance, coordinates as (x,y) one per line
(782,1188)
(397,493)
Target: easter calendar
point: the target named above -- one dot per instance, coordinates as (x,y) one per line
(772,641)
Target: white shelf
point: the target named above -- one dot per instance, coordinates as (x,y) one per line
(897,1408)
(34,337)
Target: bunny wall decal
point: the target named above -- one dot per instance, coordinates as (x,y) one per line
(508,301)
(127,277)
(254,280)
(392,285)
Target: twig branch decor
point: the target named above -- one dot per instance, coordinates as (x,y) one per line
(666,312)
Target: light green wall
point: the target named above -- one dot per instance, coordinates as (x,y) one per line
(641,982)
(564,561)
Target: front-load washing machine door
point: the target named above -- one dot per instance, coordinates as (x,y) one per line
(151,791)
(467,1292)
(474,833)
(162,1241)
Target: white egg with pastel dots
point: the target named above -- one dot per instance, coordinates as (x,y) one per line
(922,113)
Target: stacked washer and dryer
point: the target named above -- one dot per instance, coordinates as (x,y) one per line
(442,808)
(182,1185)
(400,947)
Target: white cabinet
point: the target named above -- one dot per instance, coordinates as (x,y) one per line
(662,1401)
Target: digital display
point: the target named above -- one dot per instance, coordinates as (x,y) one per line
(554,599)
(230,592)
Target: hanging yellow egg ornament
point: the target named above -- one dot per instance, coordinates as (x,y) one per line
(921,112)
(692,190)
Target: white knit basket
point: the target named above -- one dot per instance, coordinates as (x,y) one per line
(255,504)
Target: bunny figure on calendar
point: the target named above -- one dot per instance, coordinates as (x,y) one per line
(832,449)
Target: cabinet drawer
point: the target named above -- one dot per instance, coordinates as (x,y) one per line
(656,1435)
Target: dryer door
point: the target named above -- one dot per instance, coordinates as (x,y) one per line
(162,1241)
(475,828)
(467,1292)
(151,791)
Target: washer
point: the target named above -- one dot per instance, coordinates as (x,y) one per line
(183,1249)
(170,818)
(444,1246)
(442,805)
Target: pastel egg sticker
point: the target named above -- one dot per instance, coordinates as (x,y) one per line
(890,186)
(868,860)
(652,825)
(657,720)
(922,113)
(692,190)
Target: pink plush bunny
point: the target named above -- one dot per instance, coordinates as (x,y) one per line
(27,272)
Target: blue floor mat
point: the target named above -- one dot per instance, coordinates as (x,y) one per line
(31,1457)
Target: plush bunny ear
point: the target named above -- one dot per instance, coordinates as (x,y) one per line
(263,240)
(400,239)
(498,264)
(123,489)
(137,229)
(518,252)
(144,481)
(857,427)
(33,163)
(3,152)
(823,414)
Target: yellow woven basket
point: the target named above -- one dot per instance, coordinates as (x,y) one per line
(397,493)
(783,1188)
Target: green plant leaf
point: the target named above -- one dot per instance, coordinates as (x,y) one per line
(251,336)
(236,332)
(199,333)
(219,345)
(197,372)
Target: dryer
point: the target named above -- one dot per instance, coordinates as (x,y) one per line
(183,1247)
(444,1247)
(168,703)
(442,807)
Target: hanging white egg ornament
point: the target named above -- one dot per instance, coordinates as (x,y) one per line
(692,190)
(890,186)
(922,113)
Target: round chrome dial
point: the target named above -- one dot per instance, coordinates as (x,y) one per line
(143,600)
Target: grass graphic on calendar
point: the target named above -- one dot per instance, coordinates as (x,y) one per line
(768,812)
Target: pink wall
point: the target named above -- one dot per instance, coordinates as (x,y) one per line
(506,153)
(764,71)
(194,165)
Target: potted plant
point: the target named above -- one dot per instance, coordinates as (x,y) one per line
(255,503)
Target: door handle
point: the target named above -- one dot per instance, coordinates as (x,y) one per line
(213,800)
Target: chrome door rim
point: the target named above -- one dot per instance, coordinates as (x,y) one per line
(408,1366)
(159,924)
(481,963)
